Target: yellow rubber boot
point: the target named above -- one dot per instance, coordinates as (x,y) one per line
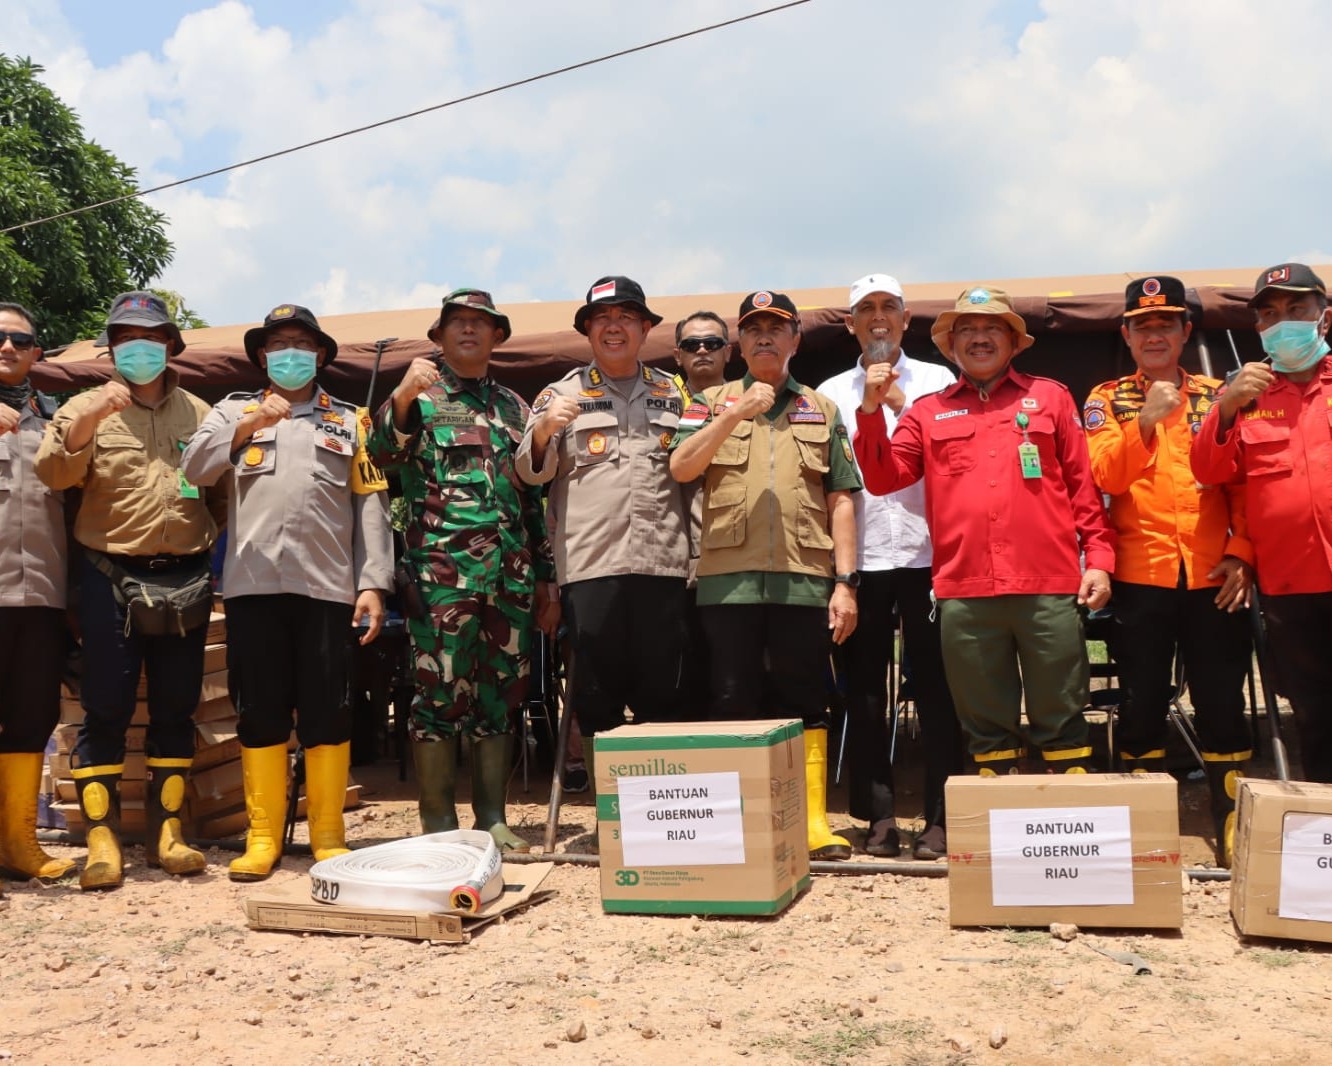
(1223,777)
(20,778)
(164,840)
(1152,762)
(1068,760)
(999,763)
(265,773)
(99,799)
(823,844)
(326,790)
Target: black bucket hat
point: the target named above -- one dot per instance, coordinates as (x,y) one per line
(612,290)
(141,309)
(282,315)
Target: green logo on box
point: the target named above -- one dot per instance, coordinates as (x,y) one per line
(626,878)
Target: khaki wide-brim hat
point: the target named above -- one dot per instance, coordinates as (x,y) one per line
(981,300)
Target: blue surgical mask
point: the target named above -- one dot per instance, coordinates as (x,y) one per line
(140,361)
(1293,345)
(291,368)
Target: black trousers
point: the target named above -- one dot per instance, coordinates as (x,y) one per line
(769,661)
(289,654)
(1298,628)
(112,662)
(625,648)
(864,660)
(1153,625)
(32,652)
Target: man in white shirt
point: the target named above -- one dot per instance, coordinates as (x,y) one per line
(893,557)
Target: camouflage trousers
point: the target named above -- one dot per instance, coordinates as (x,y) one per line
(471,660)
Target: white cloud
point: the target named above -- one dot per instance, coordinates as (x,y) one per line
(804,148)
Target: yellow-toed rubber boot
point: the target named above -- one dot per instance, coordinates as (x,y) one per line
(326,769)
(164,839)
(1151,762)
(1223,777)
(265,773)
(999,763)
(1068,760)
(99,799)
(20,778)
(823,843)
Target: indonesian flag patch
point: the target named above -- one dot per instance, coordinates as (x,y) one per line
(695,415)
(600,292)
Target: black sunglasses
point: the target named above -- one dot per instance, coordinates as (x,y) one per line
(693,344)
(21,341)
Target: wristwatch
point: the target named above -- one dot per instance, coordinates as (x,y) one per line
(851,580)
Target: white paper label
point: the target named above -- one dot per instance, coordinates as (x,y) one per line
(682,820)
(1306,867)
(1061,856)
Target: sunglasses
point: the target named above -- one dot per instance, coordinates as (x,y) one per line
(21,341)
(693,344)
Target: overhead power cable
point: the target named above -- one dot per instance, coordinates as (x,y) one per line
(410,114)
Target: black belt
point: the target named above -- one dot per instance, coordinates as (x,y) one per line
(157,562)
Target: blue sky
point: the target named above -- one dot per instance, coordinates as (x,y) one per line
(965,141)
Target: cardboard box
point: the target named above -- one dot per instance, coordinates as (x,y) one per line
(1098,850)
(1281,877)
(702,817)
(291,910)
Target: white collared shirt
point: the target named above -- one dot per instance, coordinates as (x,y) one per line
(890,530)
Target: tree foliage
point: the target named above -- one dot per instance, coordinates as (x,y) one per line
(185,317)
(69,269)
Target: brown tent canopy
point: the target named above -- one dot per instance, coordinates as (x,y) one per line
(1075,321)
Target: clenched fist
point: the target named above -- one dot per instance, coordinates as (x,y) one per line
(1252,381)
(420,376)
(269,413)
(881,387)
(112,397)
(9,419)
(1162,398)
(559,412)
(756,399)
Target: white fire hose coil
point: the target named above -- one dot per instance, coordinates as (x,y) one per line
(460,870)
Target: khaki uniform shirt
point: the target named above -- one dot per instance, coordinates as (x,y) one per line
(32,521)
(309,512)
(614,507)
(136,501)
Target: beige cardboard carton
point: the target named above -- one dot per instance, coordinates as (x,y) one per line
(1281,880)
(1098,850)
(702,817)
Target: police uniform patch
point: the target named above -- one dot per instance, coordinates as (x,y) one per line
(324,401)
(334,444)
(596,443)
(249,407)
(594,394)
(542,401)
(332,416)
(254,456)
(666,440)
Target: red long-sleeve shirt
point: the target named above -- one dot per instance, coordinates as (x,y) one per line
(995,532)
(1280,447)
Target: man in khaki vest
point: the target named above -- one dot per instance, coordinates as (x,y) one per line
(776,573)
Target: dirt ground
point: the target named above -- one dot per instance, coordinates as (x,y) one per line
(859,969)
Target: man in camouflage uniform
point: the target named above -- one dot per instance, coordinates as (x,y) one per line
(478,552)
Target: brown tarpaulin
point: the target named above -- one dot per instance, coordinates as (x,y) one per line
(1075,321)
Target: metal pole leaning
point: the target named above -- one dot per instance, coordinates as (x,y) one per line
(1259,629)
(557,773)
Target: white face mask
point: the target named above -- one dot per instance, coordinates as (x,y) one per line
(1294,345)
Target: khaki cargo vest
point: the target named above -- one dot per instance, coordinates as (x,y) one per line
(764,505)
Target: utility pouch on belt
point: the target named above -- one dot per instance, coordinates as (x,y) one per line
(169,604)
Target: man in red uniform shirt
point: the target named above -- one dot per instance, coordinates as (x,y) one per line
(1010,504)
(1181,564)
(1272,429)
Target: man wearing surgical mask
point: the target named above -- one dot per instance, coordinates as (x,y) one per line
(309,556)
(1272,430)
(141,518)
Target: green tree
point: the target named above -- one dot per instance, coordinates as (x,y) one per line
(185,317)
(69,269)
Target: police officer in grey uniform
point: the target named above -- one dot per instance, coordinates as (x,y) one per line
(32,601)
(309,555)
(617,519)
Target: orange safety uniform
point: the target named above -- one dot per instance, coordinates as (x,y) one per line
(1164,518)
